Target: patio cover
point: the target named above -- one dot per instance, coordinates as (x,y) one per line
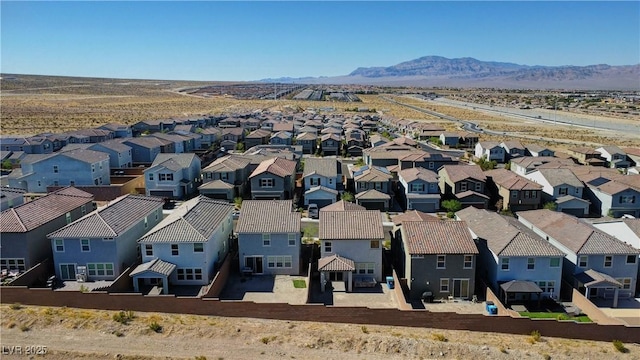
(520,286)
(592,278)
(155,268)
(335,263)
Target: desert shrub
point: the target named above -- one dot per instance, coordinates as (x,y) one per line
(364,329)
(619,346)
(123,317)
(440,337)
(15,306)
(155,327)
(534,336)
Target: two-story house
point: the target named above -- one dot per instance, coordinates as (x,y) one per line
(539,151)
(513,149)
(102,244)
(615,157)
(439,259)
(144,149)
(612,195)
(513,192)
(596,263)
(186,247)
(372,187)
(308,142)
(320,178)
(29,145)
(281,138)
(490,150)
(119,130)
(119,153)
(10,197)
(420,189)
(465,183)
(173,176)
(586,156)
(563,187)
(257,137)
(273,179)
(330,144)
(269,237)
(231,170)
(509,251)
(24,228)
(68,168)
(350,248)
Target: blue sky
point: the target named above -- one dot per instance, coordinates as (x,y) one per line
(255,40)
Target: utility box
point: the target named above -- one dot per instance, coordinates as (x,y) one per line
(491,308)
(390,282)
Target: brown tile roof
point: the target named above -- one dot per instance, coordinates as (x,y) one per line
(335,263)
(438,237)
(113,220)
(372,194)
(276,166)
(227,164)
(343,206)
(577,236)
(412,174)
(413,215)
(307,136)
(285,126)
(373,174)
(268,216)
(258,134)
(511,181)
(33,214)
(350,225)
(460,172)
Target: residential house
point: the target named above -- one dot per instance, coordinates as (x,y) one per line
(269,237)
(281,138)
(119,130)
(24,228)
(119,153)
(257,137)
(613,194)
(68,168)
(439,259)
(330,144)
(90,135)
(233,134)
(377,140)
(513,192)
(491,151)
(343,206)
(283,126)
(561,183)
(633,154)
(350,248)
(420,190)
(320,178)
(539,151)
(465,183)
(509,251)
(526,164)
(615,157)
(513,149)
(30,145)
(102,244)
(586,156)
(152,126)
(449,138)
(273,179)
(372,187)
(10,197)
(145,149)
(179,143)
(173,176)
(210,137)
(596,263)
(308,142)
(187,247)
(231,169)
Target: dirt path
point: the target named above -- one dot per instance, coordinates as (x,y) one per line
(93,334)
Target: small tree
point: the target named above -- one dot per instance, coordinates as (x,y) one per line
(451,206)
(240,146)
(347,196)
(238,202)
(486,164)
(7,165)
(550,206)
(359,162)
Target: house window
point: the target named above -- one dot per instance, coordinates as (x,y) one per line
(55,169)
(13,264)
(563,191)
(279,262)
(100,269)
(327,246)
(314,181)
(444,285)
(626,283)
(546,286)
(441,261)
(174,250)
(463,186)
(582,261)
(266,183)
(631,259)
(224,176)
(59,243)
(468,262)
(292,239)
(84,245)
(531,263)
(417,187)
(504,264)
(608,261)
(166,177)
(478,187)
(514,194)
(151,176)
(198,247)
(189,273)
(148,249)
(554,262)
(431,165)
(374,244)
(627,199)
(56,183)
(378,186)
(146,222)
(365,268)
(266,239)
(83,209)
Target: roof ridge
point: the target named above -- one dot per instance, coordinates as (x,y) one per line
(13,210)
(105,223)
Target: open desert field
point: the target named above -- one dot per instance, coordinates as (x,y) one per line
(93,334)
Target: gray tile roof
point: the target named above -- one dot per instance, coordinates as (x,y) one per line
(460,172)
(112,220)
(557,177)
(194,221)
(592,277)
(577,236)
(183,160)
(268,216)
(335,263)
(343,206)
(227,164)
(155,266)
(33,214)
(321,188)
(114,145)
(350,225)
(438,237)
(215,184)
(327,167)
(505,237)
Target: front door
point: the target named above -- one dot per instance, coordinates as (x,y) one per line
(461,288)
(254,263)
(68,271)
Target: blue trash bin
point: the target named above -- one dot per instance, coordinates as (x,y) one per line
(390,282)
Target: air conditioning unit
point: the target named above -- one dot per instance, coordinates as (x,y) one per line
(81,274)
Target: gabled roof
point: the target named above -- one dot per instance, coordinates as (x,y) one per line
(35,213)
(611,149)
(276,166)
(511,181)
(195,220)
(418,173)
(531,162)
(536,148)
(372,194)
(323,189)
(335,263)
(512,144)
(268,216)
(114,145)
(371,174)
(283,126)
(351,225)
(155,266)
(111,221)
(115,126)
(438,237)
(307,136)
(461,172)
(228,163)
(327,167)
(413,215)
(591,278)
(343,206)
(258,134)
(577,236)
(215,184)
(505,237)
(489,144)
(520,286)
(557,177)
(331,136)
(149,142)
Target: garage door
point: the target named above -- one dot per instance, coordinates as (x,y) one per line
(163,194)
(424,207)
(222,196)
(574,212)
(320,202)
(373,205)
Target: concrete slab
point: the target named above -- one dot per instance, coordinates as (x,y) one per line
(379,296)
(79,286)
(264,289)
(457,306)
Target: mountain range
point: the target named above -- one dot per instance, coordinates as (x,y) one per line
(432,71)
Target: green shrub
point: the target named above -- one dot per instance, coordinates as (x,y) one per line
(123,317)
(619,345)
(155,327)
(535,336)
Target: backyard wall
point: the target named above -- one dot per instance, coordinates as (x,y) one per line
(592,311)
(38,273)
(502,311)
(221,277)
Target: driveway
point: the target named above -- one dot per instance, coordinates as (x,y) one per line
(264,289)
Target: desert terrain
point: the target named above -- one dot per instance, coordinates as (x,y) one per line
(93,334)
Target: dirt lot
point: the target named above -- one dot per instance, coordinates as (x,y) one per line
(88,334)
